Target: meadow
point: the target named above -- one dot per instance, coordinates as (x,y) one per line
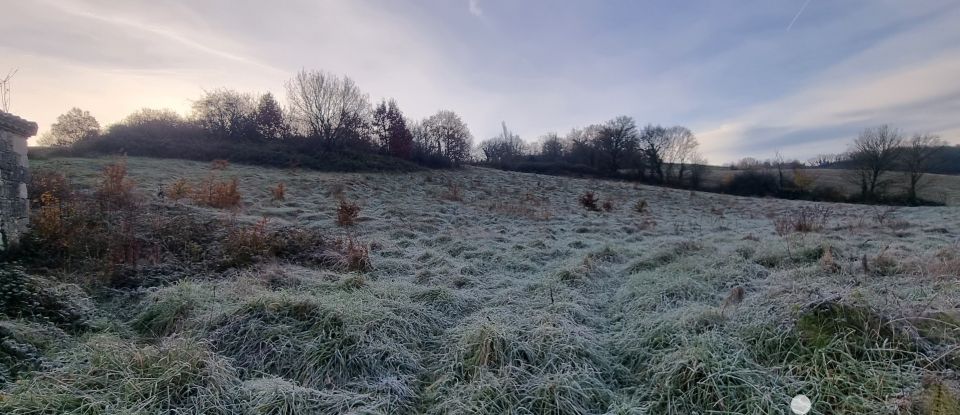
(479,291)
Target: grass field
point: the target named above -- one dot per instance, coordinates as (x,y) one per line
(938,188)
(493,292)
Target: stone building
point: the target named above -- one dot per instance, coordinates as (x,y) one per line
(14,204)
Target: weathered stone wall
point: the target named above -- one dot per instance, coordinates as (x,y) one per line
(14,175)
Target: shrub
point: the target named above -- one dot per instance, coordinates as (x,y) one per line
(116,189)
(179,189)
(347,212)
(607,206)
(219,164)
(589,201)
(356,256)
(50,183)
(219,194)
(243,245)
(641,207)
(279,193)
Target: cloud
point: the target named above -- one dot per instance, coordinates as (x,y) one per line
(730,72)
(907,79)
(474,7)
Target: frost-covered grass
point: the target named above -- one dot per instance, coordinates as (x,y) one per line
(513,298)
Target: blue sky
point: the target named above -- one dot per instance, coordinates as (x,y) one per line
(744,79)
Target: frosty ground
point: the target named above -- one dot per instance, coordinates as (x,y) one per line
(497,292)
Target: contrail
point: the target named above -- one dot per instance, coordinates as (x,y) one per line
(798,15)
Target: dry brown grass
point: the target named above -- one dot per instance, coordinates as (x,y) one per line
(219,164)
(220,194)
(50,183)
(115,189)
(453,192)
(243,245)
(355,255)
(179,189)
(526,207)
(347,212)
(278,193)
(802,220)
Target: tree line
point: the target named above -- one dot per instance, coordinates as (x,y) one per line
(879,160)
(615,148)
(326,117)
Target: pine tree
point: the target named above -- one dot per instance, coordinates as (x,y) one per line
(401,140)
(269,118)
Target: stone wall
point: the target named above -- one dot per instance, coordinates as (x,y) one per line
(14,175)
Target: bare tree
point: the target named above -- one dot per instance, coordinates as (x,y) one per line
(447,136)
(654,143)
(580,145)
(5,91)
(329,107)
(72,127)
(617,141)
(779,163)
(225,113)
(551,148)
(681,148)
(504,148)
(919,154)
(874,153)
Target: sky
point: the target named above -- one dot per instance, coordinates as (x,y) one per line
(750,77)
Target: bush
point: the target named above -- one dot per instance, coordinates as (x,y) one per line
(347,212)
(221,194)
(356,256)
(116,189)
(48,184)
(589,201)
(187,141)
(753,183)
(641,207)
(244,245)
(179,189)
(219,164)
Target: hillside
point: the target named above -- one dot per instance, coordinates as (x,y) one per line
(491,292)
(939,187)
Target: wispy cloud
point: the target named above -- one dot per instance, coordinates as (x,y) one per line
(728,70)
(474,7)
(797,16)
